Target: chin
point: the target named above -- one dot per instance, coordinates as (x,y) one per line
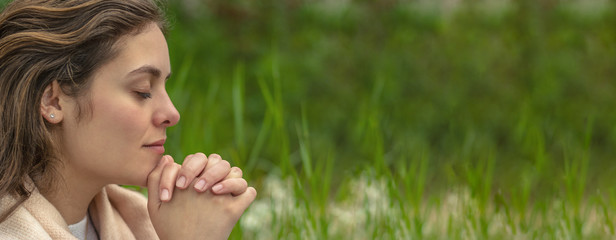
(141,176)
(138,177)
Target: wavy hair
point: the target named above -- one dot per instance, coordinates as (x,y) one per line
(42,41)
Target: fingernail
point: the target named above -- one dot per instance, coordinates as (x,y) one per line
(200,185)
(164,195)
(181,182)
(217,187)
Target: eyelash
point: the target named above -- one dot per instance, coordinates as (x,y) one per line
(144,95)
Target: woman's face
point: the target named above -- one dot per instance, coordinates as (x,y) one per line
(119,140)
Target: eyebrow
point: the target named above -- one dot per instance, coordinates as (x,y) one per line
(150,70)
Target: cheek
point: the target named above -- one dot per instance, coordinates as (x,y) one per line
(118,125)
(113,137)
(122,118)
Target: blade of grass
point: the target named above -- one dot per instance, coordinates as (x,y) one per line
(238,108)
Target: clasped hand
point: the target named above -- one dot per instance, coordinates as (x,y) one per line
(201,199)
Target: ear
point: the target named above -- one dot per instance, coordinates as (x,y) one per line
(50,103)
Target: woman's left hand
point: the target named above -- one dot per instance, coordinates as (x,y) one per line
(206,172)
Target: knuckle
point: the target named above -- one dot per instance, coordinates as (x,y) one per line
(240,182)
(187,158)
(225,164)
(188,170)
(213,159)
(216,156)
(252,191)
(237,171)
(241,187)
(165,168)
(200,155)
(208,176)
(193,167)
(237,185)
(177,166)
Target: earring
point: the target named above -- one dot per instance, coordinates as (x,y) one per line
(52,116)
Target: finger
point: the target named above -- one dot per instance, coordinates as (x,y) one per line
(192,167)
(212,174)
(213,159)
(154,181)
(245,199)
(234,186)
(234,173)
(230,186)
(201,183)
(167,181)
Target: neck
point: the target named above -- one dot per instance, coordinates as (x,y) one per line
(73,194)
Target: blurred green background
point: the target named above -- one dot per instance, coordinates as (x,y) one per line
(399,119)
(513,100)
(376,84)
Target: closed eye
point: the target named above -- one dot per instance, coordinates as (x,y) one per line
(144,95)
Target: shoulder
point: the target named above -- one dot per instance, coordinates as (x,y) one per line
(21,224)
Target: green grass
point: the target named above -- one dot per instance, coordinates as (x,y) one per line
(404,119)
(373,120)
(383,120)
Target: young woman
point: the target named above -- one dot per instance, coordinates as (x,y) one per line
(83,107)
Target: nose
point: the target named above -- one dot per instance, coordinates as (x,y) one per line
(166,115)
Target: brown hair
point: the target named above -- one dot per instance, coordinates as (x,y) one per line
(42,41)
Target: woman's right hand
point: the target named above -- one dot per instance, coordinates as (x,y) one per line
(205,172)
(192,214)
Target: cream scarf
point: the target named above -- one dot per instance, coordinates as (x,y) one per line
(117,213)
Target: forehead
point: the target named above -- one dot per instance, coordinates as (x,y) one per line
(148,47)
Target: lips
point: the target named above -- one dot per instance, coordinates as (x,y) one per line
(157,146)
